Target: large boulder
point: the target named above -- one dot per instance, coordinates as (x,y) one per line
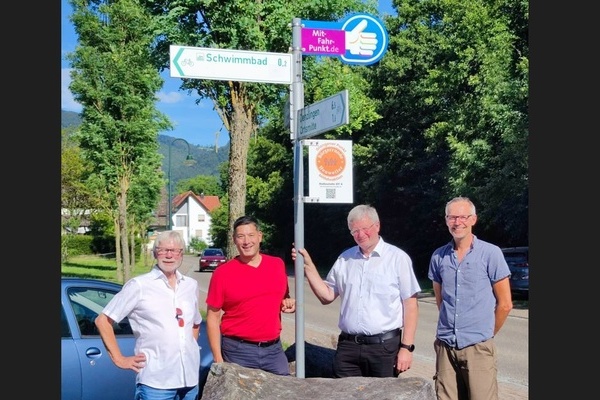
(229,381)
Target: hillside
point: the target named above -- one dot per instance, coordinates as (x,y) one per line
(207,158)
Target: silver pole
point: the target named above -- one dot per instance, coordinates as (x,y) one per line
(297,103)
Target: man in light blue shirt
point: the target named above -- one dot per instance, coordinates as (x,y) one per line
(472,292)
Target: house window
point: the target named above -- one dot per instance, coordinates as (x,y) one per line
(201,217)
(199,234)
(181,220)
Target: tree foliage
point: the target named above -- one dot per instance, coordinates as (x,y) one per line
(454,92)
(201,184)
(115,82)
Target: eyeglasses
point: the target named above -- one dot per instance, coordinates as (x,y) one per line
(355,232)
(179,318)
(459,218)
(161,251)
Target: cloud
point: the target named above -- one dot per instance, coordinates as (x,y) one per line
(169,97)
(67,102)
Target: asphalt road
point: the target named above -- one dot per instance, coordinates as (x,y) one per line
(320,327)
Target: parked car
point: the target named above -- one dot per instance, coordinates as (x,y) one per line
(211,259)
(517,259)
(87,372)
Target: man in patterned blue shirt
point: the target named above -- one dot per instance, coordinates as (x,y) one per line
(472,293)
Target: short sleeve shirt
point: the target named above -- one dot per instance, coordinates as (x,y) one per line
(372,289)
(468,302)
(172,353)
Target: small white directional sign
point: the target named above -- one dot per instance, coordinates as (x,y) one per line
(230,65)
(323,115)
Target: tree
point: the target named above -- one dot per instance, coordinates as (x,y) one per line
(75,197)
(201,184)
(115,82)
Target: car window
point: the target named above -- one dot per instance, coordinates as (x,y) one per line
(213,253)
(65,332)
(87,304)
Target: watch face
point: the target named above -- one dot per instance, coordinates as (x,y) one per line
(409,347)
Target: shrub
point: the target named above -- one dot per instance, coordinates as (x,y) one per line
(76,245)
(197,245)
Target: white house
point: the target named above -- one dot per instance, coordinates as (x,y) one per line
(191,217)
(190,214)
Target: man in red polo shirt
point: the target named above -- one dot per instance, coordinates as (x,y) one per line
(245,299)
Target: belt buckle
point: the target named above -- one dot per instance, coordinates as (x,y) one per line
(358,339)
(266,343)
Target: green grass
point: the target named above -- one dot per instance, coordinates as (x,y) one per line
(97,267)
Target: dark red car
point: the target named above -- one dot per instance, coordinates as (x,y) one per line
(210,259)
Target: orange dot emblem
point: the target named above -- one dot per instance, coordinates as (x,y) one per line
(330,161)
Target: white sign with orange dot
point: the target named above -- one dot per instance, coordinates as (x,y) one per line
(330,171)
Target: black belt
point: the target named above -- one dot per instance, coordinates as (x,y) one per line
(371,339)
(259,344)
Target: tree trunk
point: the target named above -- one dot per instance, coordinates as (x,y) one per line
(242,127)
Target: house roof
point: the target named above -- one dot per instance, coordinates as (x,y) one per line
(208,202)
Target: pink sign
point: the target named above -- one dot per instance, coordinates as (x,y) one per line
(323,41)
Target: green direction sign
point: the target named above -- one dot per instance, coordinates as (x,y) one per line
(230,65)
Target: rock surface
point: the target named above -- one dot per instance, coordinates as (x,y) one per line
(228,381)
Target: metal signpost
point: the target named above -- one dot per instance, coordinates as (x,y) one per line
(360,39)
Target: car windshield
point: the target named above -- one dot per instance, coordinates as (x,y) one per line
(213,253)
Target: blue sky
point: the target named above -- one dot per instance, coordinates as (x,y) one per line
(198,124)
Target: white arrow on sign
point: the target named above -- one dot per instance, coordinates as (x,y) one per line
(230,65)
(323,115)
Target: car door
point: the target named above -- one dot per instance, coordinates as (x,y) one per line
(88,371)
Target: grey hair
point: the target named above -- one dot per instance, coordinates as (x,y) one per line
(457,199)
(165,236)
(361,211)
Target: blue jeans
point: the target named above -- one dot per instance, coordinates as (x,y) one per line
(144,392)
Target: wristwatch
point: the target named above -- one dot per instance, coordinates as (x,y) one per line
(409,347)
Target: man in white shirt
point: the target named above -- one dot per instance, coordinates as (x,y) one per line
(162,308)
(379,310)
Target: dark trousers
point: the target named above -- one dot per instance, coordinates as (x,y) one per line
(271,359)
(370,360)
